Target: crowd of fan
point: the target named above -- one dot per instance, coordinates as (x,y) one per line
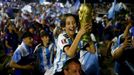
(49,19)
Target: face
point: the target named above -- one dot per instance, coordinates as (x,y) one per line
(73,69)
(45,39)
(28,41)
(10,27)
(31,30)
(70,26)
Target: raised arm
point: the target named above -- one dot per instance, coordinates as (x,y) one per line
(71,50)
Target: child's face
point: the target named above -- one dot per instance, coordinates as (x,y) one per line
(45,39)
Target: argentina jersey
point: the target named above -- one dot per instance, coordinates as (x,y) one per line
(90,62)
(61,56)
(45,55)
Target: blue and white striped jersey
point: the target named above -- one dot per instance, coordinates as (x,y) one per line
(20,52)
(61,56)
(89,62)
(45,56)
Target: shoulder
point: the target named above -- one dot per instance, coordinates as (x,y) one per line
(37,48)
(22,50)
(40,48)
(18,50)
(51,44)
(63,35)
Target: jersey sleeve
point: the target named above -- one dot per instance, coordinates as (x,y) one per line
(63,42)
(16,56)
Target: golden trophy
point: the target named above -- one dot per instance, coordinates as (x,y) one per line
(85,17)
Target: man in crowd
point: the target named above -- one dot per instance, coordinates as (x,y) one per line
(122,52)
(71,67)
(22,59)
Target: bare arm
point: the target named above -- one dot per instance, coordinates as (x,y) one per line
(125,34)
(71,50)
(6,44)
(15,65)
(118,51)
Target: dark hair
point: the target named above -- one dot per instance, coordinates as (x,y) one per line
(43,34)
(76,17)
(66,64)
(26,34)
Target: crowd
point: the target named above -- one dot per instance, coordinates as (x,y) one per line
(46,39)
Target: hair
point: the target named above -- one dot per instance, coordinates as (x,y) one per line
(43,34)
(66,65)
(76,17)
(9,23)
(26,34)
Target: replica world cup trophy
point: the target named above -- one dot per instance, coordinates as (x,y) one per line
(85,17)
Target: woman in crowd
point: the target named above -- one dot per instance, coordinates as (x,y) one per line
(68,45)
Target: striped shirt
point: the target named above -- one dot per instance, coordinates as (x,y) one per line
(61,56)
(45,56)
(23,55)
(89,62)
(22,51)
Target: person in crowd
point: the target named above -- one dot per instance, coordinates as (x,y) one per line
(23,57)
(18,20)
(32,30)
(11,39)
(45,53)
(3,23)
(122,51)
(67,36)
(71,67)
(69,42)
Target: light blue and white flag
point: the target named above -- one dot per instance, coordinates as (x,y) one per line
(111,12)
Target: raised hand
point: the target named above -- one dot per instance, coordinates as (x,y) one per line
(127,42)
(85,28)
